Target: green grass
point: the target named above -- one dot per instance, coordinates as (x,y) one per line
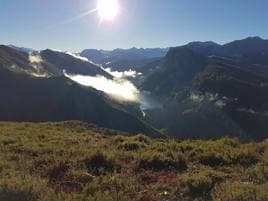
(74,161)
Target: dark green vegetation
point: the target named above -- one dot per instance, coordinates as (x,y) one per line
(222,89)
(76,161)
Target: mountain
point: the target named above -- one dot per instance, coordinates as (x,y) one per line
(242,91)
(47,63)
(22,49)
(27,98)
(175,71)
(72,64)
(202,89)
(251,50)
(205,48)
(181,64)
(124,59)
(219,88)
(14,59)
(97,56)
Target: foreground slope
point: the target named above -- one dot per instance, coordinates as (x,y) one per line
(78,161)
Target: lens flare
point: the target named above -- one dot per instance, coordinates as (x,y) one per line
(108,9)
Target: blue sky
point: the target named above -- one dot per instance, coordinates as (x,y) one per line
(44,24)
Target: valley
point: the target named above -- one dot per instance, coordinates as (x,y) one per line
(133,100)
(200,83)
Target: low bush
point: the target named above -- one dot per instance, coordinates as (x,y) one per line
(212,159)
(118,139)
(201,183)
(259,173)
(245,157)
(162,162)
(142,138)
(80,177)
(236,191)
(130,146)
(58,172)
(13,195)
(99,164)
(26,188)
(197,186)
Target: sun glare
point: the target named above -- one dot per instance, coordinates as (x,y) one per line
(108,9)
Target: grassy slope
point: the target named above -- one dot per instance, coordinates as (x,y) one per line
(77,161)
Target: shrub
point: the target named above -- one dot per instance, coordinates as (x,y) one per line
(58,172)
(7,194)
(99,164)
(130,146)
(79,177)
(161,162)
(245,157)
(235,191)
(186,147)
(212,159)
(198,185)
(265,156)
(259,172)
(119,139)
(112,187)
(228,141)
(201,184)
(142,138)
(26,188)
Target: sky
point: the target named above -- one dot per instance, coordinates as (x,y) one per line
(42,24)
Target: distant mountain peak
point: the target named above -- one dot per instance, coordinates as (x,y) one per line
(205,43)
(254,38)
(124,59)
(250,39)
(22,49)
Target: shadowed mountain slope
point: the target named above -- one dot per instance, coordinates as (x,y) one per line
(47,63)
(220,89)
(26,98)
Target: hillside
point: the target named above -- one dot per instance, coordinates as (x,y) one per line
(79,161)
(27,98)
(72,64)
(14,59)
(125,59)
(176,70)
(222,89)
(250,50)
(47,63)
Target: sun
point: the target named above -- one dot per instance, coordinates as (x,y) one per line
(108,9)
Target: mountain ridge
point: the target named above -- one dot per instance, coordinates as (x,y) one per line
(124,59)
(60,99)
(204,82)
